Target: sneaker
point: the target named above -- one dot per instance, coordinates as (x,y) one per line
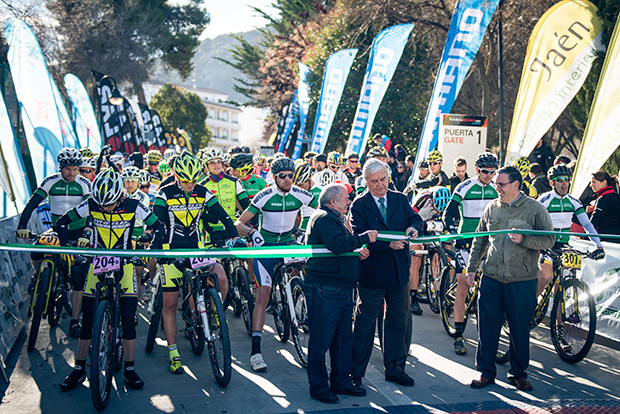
(459,346)
(74,328)
(132,379)
(77,376)
(566,347)
(258,363)
(415,308)
(176,366)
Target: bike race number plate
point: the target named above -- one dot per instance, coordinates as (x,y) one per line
(198,262)
(572,260)
(104,264)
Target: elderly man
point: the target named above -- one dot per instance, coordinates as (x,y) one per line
(329,288)
(384,275)
(510,276)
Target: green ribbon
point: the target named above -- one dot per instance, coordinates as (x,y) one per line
(389,236)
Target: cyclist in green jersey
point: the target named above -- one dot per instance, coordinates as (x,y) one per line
(303,180)
(467,204)
(65,190)
(242,165)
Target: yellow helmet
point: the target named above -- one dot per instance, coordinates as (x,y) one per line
(153,156)
(187,167)
(523,165)
(434,156)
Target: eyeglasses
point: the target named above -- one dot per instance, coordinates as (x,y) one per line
(562,179)
(188,181)
(483,171)
(433,163)
(86,171)
(283,176)
(502,185)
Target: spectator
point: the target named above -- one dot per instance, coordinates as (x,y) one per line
(543,155)
(510,277)
(402,176)
(400,152)
(460,173)
(384,275)
(605,209)
(382,141)
(320,162)
(538,179)
(393,163)
(329,285)
(410,163)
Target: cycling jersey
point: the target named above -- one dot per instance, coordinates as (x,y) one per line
(279,211)
(307,211)
(63,196)
(439,179)
(144,199)
(469,199)
(563,211)
(253,184)
(228,191)
(529,189)
(182,212)
(423,205)
(351,176)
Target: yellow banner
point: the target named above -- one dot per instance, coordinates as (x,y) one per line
(602,135)
(559,56)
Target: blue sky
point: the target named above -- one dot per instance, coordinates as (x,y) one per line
(233,16)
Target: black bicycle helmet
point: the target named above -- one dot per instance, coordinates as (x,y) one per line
(241,160)
(559,170)
(282,164)
(486,159)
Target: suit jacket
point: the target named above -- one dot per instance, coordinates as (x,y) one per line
(384,268)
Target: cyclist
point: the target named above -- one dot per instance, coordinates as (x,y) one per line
(242,165)
(153,157)
(429,204)
(229,191)
(303,180)
(279,205)
(65,190)
(261,168)
(181,206)
(164,169)
(88,167)
(523,165)
(437,176)
(352,171)
(334,163)
(113,217)
(145,186)
(467,204)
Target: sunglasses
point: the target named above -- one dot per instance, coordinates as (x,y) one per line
(433,163)
(86,171)
(145,186)
(502,185)
(355,161)
(334,167)
(188,182)
(562,179)
(483,171)
(283,176)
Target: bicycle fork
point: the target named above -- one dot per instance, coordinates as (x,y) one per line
(289,300)
(202,308)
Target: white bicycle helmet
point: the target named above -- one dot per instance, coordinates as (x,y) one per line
(69,157)
(107,187)
(145,177)
(169,153)
(131,173)
(326,177)
(212,154)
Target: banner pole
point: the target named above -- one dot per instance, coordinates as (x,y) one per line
(500,81)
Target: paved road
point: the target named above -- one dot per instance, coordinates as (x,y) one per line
(442,379)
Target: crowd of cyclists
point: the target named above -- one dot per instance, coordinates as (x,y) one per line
(194,201)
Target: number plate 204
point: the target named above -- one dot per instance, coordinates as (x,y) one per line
(572,260)
(104,264)
(198,262)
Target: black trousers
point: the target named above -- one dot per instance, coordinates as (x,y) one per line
(395,323)
(517,301)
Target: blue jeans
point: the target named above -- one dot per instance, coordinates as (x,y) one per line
(330,318)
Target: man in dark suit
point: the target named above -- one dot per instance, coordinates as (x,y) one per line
(384,275)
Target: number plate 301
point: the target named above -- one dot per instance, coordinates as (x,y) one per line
(572,260)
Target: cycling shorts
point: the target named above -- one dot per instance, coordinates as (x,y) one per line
(129,286)
(263,267)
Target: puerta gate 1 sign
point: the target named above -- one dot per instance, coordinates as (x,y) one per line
(462,136)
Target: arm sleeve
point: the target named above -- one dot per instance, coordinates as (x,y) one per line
(335,240)
(451,211)
(32,205)
(62,225)
(215,208)
(430,182)
(587,225)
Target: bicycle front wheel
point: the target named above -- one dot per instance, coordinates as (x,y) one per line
(278,309)
(434,271)
(101,355)
(218,341)
(58,296)
(40,296)
(155,320)
(447,296)
(247,297)
(301,331)
(573,321)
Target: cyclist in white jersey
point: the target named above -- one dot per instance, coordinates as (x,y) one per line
(279,206)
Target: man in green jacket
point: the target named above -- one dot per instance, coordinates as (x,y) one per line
(510,276)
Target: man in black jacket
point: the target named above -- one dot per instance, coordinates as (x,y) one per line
(329,285)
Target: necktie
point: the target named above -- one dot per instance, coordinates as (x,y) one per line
(382,209)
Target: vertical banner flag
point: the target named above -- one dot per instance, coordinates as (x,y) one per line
(291,118)
(83,114)
(280,129)
(304,104)
(147,124)
(387,48)
(13,180)
(115,126)
(602,134)
(560,53)
(337,70)
(158,129)
(46,121)
(135,128)
(469,23)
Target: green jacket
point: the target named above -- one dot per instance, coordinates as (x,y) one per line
(507,261)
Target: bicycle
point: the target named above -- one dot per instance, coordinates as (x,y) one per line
(287,304)
(240,294)
(52,290)
(106,354)
(436,266)
(154,308)
(573,306)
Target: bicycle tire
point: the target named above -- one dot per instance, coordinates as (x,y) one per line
(57,298)
(219,341)
(579,321)
(235,288)
(301,332)
(447,294)
(119,351)
(195,332)
(279,311)
(228,300)
(101,355)
(155,320)
(247,297)
(39,306)
(433,282)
